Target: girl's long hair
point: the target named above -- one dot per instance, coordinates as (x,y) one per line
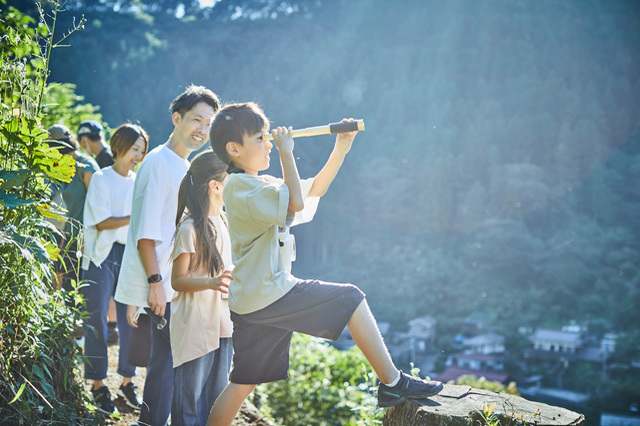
(193,202)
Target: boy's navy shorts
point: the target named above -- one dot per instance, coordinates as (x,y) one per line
(261,339)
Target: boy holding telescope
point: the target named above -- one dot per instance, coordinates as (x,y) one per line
(267,302)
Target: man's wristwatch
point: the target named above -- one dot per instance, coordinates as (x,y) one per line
(155,278)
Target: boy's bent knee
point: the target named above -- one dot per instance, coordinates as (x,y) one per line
(250,388)
(241,389)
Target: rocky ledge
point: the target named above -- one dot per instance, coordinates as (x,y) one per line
(461,405)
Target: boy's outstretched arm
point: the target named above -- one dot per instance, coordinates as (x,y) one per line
(284,142)
(324,178)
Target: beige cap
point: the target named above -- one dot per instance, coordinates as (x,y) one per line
(60,136)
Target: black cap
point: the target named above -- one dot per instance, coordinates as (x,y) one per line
(89,128)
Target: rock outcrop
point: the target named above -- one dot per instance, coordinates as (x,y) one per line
(249,415)
(459,405)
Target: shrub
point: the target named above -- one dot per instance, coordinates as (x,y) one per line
(38,357)
(482,383)
(326,387)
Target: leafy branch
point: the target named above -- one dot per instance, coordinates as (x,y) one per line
(45,53)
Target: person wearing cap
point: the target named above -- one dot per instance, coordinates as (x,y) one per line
(60,137)
(73,194)
(91,138)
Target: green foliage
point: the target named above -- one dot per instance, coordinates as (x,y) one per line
(482,383)
(326,387)
(487,417)
(617,395)
(63,106)
(38,356)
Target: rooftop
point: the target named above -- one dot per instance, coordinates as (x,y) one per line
(612,419)
(485,339)
(556,336)
(427,320)
(478,357)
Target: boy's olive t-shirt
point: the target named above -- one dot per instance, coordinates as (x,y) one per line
(256,206)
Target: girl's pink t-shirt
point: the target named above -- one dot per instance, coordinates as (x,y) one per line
(199,319)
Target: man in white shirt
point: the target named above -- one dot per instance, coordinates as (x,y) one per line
(146,270)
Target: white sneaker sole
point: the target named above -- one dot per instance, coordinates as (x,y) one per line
(126,400)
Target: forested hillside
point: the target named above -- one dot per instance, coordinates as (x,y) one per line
(500,167)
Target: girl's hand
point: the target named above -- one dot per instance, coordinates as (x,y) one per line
(344,140)
(221,282)
(283,138)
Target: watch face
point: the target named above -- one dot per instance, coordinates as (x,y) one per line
(154,278)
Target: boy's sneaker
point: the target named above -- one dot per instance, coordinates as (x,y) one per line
(408,388)
(102,400)
(130,396)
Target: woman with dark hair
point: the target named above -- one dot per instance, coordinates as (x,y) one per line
(106,218)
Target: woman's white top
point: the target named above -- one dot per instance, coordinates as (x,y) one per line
(109,195)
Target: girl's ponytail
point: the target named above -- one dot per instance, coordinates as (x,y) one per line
(182,197)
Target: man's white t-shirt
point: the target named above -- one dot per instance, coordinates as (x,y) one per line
(109,195)
(153,216)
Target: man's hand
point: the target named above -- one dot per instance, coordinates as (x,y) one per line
(131,316)
(157,298)
(283,138)
(344,140)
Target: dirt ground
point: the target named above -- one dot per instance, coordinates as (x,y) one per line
(113,381)
(248,415)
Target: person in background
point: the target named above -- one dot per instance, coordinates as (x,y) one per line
(91,137)
(106,218)
(73,194)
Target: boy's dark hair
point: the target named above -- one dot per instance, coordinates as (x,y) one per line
(192,96)
(125,137)
(232,122)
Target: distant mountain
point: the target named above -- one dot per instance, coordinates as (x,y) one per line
(500,167)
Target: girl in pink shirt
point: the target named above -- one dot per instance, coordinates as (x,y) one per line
(200,326)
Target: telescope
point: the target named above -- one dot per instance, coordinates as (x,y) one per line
(329,129)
